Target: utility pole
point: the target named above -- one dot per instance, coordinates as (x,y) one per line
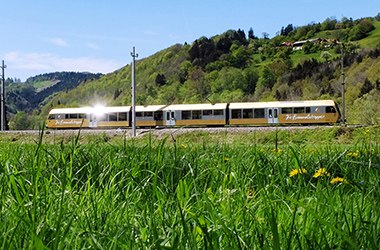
(343,88)
(134,55)
(3,115)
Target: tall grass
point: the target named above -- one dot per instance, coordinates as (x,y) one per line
(179,195)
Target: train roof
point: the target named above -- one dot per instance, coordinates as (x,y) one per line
(84,110)
(204,106)
(90,110)
(282,104)
(150,108)
(111,109)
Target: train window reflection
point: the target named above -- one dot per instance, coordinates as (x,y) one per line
(112,117)
(330,109)
(299,110)
(286,111)
(259,113)
(197,114)
(123,116)
(186,115)
(218,112)
(207,112)
(148,114)
(236,114)
(247,113)
(158,116)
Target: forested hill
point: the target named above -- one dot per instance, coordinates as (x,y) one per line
(299,63)
(35,92)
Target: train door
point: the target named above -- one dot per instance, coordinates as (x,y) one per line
(93,121)
(273,115)
(170,118)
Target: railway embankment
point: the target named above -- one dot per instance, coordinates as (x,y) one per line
(246,135)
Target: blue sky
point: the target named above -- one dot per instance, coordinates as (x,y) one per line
(42,36)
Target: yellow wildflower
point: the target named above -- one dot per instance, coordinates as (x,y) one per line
(184,146)
(250,193)
(337,180)
(321,172)
(226,159)
(297,171)
(278,151)
(354,154)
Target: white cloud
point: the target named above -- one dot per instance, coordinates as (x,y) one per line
(57,41)
(25,65)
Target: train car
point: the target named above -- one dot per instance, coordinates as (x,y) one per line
(195,114)
(110,117)
(89,117)
(220,114)
(150,116)
(62,118)
(287,112)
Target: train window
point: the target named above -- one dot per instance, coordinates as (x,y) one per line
(66,116)
(259,113)
(73,116)
(247,113)
(112,117)
(307,110)
(101,117)
(236,113)
(218,112)
(82,116)
(330,109)
(158,116)
(148,114)
(51,117)
(207,112)
(186,115)
(60,116)
(197,114)
(139,114)
(123,116)
(286,110)
(299,110)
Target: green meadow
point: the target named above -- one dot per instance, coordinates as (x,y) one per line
(303,189)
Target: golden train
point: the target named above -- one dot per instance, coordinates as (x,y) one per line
(177,115)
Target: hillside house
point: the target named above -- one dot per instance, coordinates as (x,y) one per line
(298,45)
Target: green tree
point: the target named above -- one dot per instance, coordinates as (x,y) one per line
(366,87)
(251,34)
(20,121)
(361,30)
(268,78)
(329,24)
(240,56)
(251,76)
(228,79)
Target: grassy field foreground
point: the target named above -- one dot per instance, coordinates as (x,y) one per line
(220,191)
